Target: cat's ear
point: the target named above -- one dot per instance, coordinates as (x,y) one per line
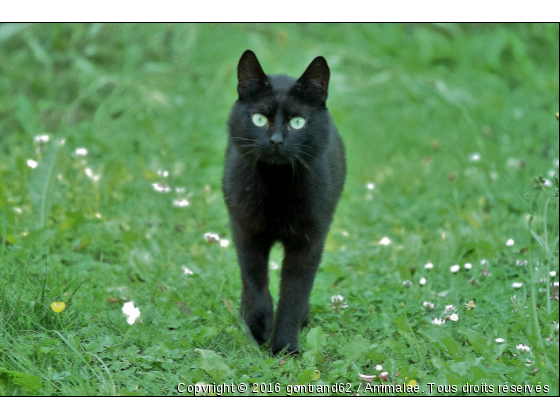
(250,76)
(313,85)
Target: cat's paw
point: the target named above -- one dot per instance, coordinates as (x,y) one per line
(260,325)
(278,345)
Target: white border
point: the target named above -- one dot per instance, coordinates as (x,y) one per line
(281,10)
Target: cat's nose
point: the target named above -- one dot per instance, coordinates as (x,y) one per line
(277,139)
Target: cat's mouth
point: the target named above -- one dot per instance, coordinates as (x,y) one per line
(275,157)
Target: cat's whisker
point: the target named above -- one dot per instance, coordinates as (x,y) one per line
(244,138)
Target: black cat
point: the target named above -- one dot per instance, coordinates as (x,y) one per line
(284,173)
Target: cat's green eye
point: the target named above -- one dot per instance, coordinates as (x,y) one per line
(259,120)
(297,123)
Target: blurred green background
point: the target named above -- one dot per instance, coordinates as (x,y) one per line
(452,124)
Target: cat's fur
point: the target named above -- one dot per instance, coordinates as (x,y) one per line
(281,185)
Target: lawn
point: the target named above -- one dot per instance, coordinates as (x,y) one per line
(444,247)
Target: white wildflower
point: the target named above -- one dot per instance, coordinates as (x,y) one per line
(337,302)
(378,368)
(517,285)
(450,309)
(438,322)
(32,163)
(475,157)
(367,378)
(429,266)
(131,312)
(161,187)
(468,266)
(510,242)
(42,138)
(370,186)
(454,317)
(499,340)
(224,243)
(273,265)
(385,241)
(422,281)
(212,238)
(181,202)
(187,271)
(455,268)
(429,306)
(81,151)
(522,348)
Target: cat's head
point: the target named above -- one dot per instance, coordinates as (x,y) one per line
(278,119)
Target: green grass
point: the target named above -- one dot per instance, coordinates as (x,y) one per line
(413,103)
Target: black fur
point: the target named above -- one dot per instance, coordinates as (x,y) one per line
(281,184)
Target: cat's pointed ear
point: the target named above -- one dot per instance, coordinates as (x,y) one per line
(250,75)
(314,83)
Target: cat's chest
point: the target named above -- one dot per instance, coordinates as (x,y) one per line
(279,208)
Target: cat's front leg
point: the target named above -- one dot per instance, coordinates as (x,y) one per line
(298,273)
(256,303)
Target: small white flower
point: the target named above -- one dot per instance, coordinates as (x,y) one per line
(429,306)
(384,376)
(454,317)
(385,241)
(181,202)
(483,262)
(163,173)
(17,210)
(370,186)
(32,163)
(42,138)
(407,283)
(131,312)
(468,266)
(499,340)
(522,348)
(81,151)
(475,157)
(455,268)
(224,243)
(89,174)
(422,281)
(273,265)
(521,263)
(161,187)
(337,302)
(510,242)
(98,215)
(553,274)
(367,378)
(378,368)
(337,299)
(186,271)
(212,238)
(547,183)
(438,322)
(429,266)
(345,234)
(517,285)
(450,309)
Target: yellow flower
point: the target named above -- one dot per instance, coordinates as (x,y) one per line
(470,305)
(58,306)
(412,383)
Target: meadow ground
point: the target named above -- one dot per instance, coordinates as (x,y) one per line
(444,247)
